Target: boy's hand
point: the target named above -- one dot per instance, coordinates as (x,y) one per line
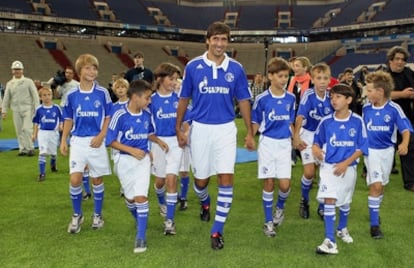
(340,169)
(96,141)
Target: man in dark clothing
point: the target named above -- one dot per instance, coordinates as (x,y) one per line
(403,94)
(139,72)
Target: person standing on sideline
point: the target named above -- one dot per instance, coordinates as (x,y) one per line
(48,121)
(340,140)
(139,72)
(314,105)
(212,81)
(70,83)
(382,117)
(274,114)
(22,97)
(86,117)
(403,94)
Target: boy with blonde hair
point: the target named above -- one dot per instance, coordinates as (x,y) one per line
(382,117)
(47,122)
(314,104)
(86,114)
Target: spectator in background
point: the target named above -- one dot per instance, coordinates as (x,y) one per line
(349,80)
(22,97)
(111,91)
(301,80)
(403,94)
(69,84)
(257,86)
(298,84)
(139,72)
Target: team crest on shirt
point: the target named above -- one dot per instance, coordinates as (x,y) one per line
(96,104)
(387,118)
(288,107)
(175,104)
(352,132)
(229,77)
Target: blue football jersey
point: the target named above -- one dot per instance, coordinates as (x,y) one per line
(313,108)
(118,105)
(274,114)
(163,109)
(88,110)
(130,129)
(341,137)
(213,89)
(382,124)
(48,117)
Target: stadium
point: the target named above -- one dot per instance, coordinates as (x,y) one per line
(49,35)
(341,33)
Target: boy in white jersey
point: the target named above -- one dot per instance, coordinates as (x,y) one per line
(273,115)
(167,153)
(339,141)
(47,122)
(129,133)
(86,114)
(314,104)
(213,81)
(382,117)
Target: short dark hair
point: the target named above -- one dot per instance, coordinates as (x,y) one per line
(139,54)
(138,87)
(218,27)
(343,89)
(397,49)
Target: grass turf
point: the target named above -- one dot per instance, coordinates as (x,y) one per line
(34,219)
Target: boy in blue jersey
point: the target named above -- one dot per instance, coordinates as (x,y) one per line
(129,133)
(314,104)
(167,153)
(382,117)
(273,115)
(212,81)
(47,122)
(86,114)
(120,89)
(339,141)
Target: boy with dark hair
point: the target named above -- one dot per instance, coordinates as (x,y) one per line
(273,114)
(340,140)
(129,133)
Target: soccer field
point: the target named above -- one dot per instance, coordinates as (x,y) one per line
(34,218)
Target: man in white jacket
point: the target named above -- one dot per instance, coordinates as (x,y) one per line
(22,97)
